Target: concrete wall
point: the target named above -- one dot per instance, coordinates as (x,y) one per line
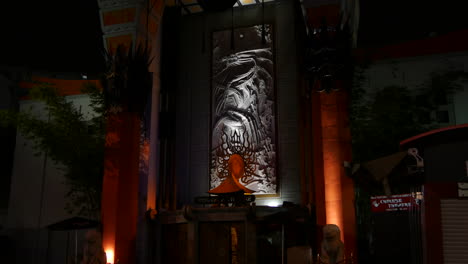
(37,199)
(193,98)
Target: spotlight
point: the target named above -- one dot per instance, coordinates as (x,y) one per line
(273,203)
(110,256)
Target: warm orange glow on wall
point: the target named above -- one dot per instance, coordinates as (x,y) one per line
(110,255)
(114,42)
(332,160)
(120,186)
(64,87)
(331,12)
(152,24)
(120,16)
(108,212)
(151,195)
(333,197)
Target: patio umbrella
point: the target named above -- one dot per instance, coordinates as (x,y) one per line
(74,223)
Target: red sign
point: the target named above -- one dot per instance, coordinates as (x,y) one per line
(400,202)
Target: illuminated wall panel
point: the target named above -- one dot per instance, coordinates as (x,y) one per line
(243,119)
(195,101)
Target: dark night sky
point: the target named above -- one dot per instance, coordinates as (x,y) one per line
(65,35)
(392,21)
(61,36)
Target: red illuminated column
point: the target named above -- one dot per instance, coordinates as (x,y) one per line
(332,163)
(110,185)
(334,191)
(347,184)
(154,125)
(317,155)
(117,161)
(120,184)
(119,204)
(336,148)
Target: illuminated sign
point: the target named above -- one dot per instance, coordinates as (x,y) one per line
(400,202)
(243,121)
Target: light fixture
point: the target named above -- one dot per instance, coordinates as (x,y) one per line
(110,256)
(273,203)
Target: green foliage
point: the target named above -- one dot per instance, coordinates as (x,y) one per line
(127,82)
(381,120)
(388,118)
(74,142)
